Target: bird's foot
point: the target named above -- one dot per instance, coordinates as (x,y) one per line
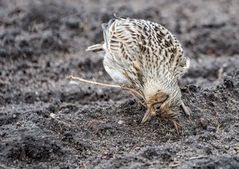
(173,117)
(177,126)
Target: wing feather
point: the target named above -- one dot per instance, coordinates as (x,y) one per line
(130,41)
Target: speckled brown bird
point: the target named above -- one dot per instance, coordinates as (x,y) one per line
(147,59)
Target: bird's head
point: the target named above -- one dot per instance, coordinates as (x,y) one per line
(154,103)
(155,95)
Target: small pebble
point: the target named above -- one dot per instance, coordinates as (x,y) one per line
(120,122)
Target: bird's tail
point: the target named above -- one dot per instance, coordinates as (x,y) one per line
(95,48)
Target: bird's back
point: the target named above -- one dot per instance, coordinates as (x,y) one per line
(144,49)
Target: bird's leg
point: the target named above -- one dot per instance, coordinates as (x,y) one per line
(148,115)
(186,109)
(173,117)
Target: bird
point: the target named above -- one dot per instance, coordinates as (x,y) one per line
(146,59)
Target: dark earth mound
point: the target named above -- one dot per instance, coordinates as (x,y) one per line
(47,122)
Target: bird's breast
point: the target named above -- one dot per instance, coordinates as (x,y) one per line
(114,70)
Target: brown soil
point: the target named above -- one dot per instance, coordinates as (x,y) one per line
(47,122)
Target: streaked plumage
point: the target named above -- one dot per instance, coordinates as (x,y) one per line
(147,58)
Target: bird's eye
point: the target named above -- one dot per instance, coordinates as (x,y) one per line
(157,106)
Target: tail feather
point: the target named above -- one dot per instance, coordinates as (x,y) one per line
(95,48)
(105,27)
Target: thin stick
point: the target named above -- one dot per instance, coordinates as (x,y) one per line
(186,109)
(92,82)
(135,93)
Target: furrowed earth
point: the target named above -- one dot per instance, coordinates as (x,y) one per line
(48,122)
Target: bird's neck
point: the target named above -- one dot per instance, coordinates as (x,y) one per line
(151,87)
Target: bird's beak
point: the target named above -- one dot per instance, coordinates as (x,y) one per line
(148,115)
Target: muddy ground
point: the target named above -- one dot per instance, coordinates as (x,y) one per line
(47,122)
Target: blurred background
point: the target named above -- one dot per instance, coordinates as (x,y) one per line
(202,27)
(44,41)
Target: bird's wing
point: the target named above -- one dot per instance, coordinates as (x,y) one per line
(121,42)
(143,48)
(170,49)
